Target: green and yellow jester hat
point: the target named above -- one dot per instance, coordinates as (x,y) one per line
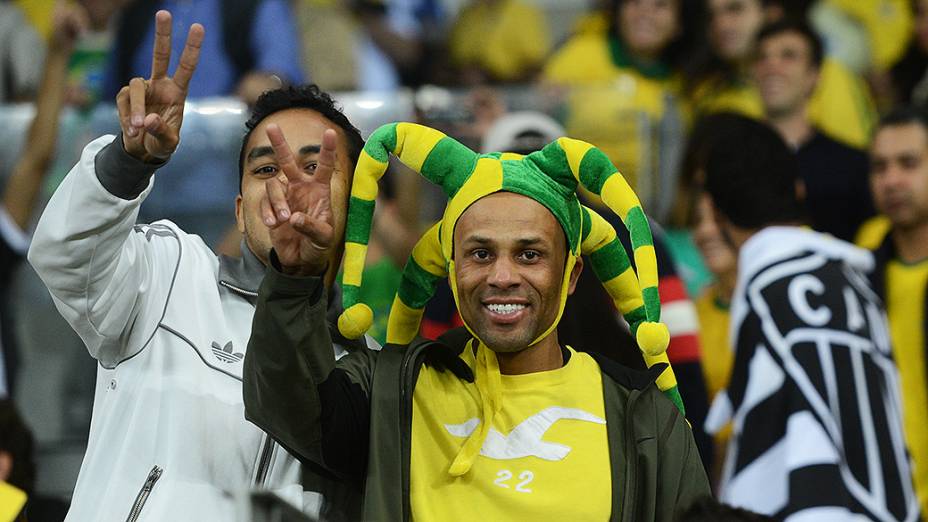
(549,176)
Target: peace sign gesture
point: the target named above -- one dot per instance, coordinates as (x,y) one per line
(151,111)
(298,206)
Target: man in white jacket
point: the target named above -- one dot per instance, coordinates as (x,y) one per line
(167,320)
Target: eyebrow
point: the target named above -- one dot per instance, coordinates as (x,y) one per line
(259,152)
(482,240)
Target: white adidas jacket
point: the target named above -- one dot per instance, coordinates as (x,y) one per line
(168,323)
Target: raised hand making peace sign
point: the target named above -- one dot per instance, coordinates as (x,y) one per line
(151,111)
(298,206)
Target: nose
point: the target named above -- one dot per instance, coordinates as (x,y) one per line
(503,274)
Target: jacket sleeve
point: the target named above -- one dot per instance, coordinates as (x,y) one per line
(318,409)
(109,278)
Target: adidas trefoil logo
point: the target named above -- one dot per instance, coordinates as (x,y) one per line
(225,353)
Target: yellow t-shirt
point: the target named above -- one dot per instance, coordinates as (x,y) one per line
(905,304)
(717,354)
(508,39)
(617,108)
(546,456)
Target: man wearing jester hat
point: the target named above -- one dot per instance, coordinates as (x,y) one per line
(498,421)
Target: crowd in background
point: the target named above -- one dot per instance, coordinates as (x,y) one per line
(649,82)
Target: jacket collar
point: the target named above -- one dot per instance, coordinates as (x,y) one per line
(242,275)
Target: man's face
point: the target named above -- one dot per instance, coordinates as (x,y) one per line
(648,26)
(509,255)
(734,25)
(785,73)
(899,174)
(303,130)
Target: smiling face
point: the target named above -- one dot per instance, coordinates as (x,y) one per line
(899,174)
(785,73)
(303,130)
(509,256)
(647,27)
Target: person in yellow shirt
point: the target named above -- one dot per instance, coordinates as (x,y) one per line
(899,179)
(841,104)
(624,93)
(499,41)
(499,421)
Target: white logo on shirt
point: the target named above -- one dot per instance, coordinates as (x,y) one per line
(525,439)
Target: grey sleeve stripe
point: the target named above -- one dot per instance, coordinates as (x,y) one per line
(120,174)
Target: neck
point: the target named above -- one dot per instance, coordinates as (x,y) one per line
(725,285)
(793,126)
(543,356)
(911,243)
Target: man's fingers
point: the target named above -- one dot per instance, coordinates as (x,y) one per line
(156,127)
(122,107)
(161,52)
(283,154)
(277,194)
(317,231)
(267,213)
(190,57)
(137,103)
(325,166)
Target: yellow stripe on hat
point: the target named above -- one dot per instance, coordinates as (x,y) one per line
(354,263)
(510,156)
(414,143)
(619,196)
(601,233)
(645,257)
(427,252)
(575,150)
(403,323)
(486,179)
(364,186)
(625,291)
(667,379)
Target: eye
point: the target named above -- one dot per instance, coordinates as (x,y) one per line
(481,254)
(265,171)
(530,255)
(311,167)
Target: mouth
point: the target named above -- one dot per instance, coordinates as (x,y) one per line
(506,313)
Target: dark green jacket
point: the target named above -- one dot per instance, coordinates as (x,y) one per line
(354,417)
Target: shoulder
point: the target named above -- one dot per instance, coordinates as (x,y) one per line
(583,58)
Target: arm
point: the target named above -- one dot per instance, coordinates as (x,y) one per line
(22,187)
(293,388)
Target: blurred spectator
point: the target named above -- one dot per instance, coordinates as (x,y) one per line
(899,177)
(813,399)
(87,67)
(252,45)
(864,36)
(834,175)
(22,187)
(17,468)
(495,41)
(624,86)
(910,73)
(720,79)
(21,51)
(367,45)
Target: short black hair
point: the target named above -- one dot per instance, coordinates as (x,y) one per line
(905,115)
(308,96)
(751,175)
(803,29)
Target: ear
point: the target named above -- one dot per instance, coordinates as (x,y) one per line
(239,214)
(575,275)
(800,190)
(6,465)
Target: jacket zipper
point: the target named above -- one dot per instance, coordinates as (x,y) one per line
(140,499)
(264,463)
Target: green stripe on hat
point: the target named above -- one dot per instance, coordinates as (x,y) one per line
(635,317)
(449,164)
(360,212)
(417,285)
(610,260)
(586,222)
(637,224)
(381,143)
(652,301)
(595,169)
(552,160)
(350,294)
(674,395)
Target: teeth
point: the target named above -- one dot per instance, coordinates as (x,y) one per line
(505,309)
